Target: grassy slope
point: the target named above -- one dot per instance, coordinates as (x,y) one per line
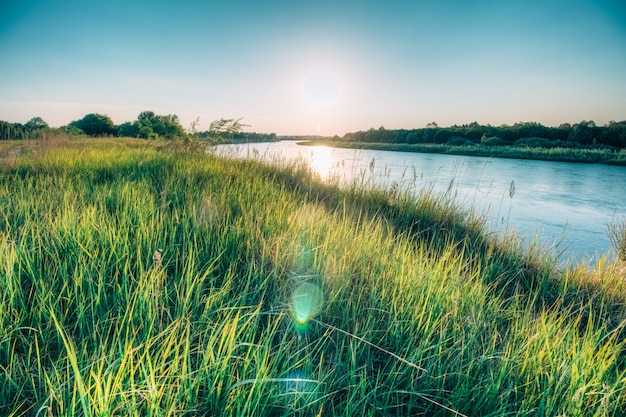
(601,156)
(143,279)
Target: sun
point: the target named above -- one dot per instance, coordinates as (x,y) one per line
(320,88)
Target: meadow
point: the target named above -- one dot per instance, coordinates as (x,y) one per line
(148,278)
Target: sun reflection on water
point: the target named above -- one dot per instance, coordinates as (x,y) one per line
(322,161)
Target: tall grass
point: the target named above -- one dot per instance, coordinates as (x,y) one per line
(146,279)
(616,231)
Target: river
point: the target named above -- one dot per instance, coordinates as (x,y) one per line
(565,206)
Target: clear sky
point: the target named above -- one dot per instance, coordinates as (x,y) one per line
(299,67)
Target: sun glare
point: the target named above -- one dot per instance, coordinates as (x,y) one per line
(320,88)
(322,160)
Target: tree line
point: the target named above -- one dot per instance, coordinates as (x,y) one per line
(17,131)
(148,125)
(530,134)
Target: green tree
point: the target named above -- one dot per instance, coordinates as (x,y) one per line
(614,134)
(151,125)
(16,131)
(146,117)
(95,124)
(411,138)
(128,129)
(584,133)
(36,123)
(172,127)
(443,135)
(5,130)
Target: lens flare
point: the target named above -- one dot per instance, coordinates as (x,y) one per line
(306,301)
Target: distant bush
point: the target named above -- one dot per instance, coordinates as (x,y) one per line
(492,141)
(535,142)
(459,141)
(70,130)
(565,144)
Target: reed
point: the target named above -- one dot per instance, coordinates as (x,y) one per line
(145,278)
(616,231)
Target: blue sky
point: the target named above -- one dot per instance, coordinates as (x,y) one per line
(303,67)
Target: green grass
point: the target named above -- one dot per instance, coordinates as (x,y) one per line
(583,155)
(145,278)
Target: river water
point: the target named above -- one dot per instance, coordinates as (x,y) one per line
(566,207)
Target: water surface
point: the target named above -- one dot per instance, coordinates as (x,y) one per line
(565,206)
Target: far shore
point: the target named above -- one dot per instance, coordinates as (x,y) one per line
(580,155)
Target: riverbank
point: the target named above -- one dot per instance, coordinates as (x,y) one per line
(582,155)
(147,277)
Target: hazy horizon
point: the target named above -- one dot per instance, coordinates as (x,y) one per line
(316,68)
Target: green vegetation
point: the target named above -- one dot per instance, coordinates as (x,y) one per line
(585,133)
(581,142)
(616,231)
(588,155)
(148,125)
(16,131)
(151,278)
(95,125)
(152,126)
